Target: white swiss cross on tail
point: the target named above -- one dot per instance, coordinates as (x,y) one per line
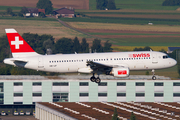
(19,47)
(17,42)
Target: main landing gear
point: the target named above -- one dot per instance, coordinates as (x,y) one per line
(153,77)
(94,79)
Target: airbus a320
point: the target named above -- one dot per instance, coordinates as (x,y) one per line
(117,64)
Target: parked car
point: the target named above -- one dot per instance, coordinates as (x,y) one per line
(16,113)
(3,113)
(21,113)
(28,113)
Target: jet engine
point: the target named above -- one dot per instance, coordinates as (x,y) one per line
(119,72)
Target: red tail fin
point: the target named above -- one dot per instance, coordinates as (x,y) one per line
(16,42)
(18,45)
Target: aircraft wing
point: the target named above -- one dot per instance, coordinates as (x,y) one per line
(95,66)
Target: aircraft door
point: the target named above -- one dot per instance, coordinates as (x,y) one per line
(40,63)
(154,58)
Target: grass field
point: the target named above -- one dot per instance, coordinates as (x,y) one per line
(137,4)
(42,26)
(169,42)
(125,20)
(126,37)
(77,4)
(112,26)
(169,72)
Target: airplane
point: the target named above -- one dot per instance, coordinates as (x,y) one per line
(117,64)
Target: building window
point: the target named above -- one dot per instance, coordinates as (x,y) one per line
(83,84)
(103,84)
(102,94)
(158,84)
(140,83)
(121,83)
(83,94)
(176,94)
(1,98)
(60,97)
(1,87)
(18,103)
(158,94)
(176,84)
(60,84)
(18,83)
(37,94)
(37,83)
(121,94)
(140,94)
(18,94)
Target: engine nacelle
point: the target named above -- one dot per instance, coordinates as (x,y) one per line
(120,72)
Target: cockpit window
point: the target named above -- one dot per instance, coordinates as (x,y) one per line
(165,56)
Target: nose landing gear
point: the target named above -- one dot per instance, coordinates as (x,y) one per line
(153,77)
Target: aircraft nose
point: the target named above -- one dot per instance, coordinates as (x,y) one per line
(174,62)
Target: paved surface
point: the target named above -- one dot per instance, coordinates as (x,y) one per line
(108,77)
(12,117)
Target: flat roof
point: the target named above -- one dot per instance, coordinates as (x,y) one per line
(105,110)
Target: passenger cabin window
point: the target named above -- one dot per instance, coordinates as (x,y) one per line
(165,57)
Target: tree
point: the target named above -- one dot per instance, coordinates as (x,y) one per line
(64,46)
(177,53)
(48,44)
(42,15)
(84,46)
(111,5)
(147,48)
(4,48)
(9,11)
(133,117)
(96,47)
(36,41)
(107,47)
(20,14)
(76,45)
(171,3)
(101,4)
(45,4)
(115,115)
(24,10)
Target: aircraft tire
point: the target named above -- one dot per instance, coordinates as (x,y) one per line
(154,77)
(98,80)
(93,79)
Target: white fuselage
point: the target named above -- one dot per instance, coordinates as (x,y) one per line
(142,60)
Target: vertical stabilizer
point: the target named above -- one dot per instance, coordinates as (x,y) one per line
(19,47)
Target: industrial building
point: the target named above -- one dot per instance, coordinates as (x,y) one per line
(18,91)
(27,90)
(105,110)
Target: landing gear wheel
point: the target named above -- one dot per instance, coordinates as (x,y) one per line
(93,79)
(98,80)
(154,77)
